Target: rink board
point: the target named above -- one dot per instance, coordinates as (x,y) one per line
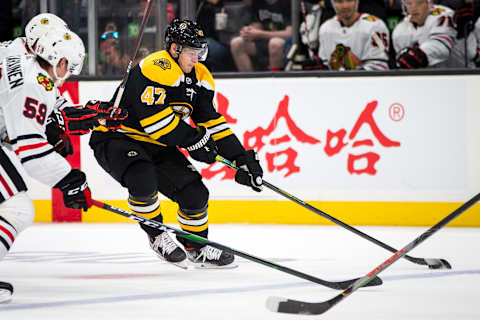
(366,150)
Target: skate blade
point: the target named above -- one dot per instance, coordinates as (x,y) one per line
(5,296)
(214,266)
(182,264)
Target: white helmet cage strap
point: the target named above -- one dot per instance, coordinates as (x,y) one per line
(39,25)
(57,44)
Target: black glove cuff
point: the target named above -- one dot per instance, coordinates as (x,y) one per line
(73,179)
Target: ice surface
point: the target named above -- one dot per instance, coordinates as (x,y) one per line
(107,271)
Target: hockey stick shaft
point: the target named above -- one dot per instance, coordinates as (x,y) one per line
(299,307)
(433,263)
(186,235)
(146,14)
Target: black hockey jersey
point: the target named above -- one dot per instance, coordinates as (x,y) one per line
(160,98)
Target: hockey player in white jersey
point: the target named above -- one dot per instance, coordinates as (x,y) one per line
(353,40)
(27,97)
(67,119)
(425,37)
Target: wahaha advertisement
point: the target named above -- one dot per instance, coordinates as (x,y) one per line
(392,139)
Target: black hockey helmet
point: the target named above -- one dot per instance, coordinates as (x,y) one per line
(186,33)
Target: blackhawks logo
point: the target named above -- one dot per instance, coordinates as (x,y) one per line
(45,81)
(162,63)
(370,18)
(437,11)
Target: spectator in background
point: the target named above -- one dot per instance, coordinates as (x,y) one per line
(5,20)
(114,62)
(425,37)
(141,53)
(265,38)
(212,18)
(353,40)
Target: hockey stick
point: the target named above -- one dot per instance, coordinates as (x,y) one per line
(340,285)
(146,14)
(432,263)
(283,305)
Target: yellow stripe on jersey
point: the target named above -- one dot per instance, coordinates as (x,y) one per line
(213,122)
(156,117)
(145,139)
(166,130)
(142,202)
(204,77)
(189,217)
(162,69)
(222,134)
(194,228)
(101,129)
(138,135)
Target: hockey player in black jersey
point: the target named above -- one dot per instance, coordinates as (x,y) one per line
(162,92)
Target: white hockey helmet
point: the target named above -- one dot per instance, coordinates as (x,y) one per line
(57,44)
(39,25)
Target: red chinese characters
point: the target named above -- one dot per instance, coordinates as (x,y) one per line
(335,142)
(255,140)
(285,157)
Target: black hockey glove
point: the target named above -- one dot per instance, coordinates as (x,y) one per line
(58,139)
(249,171)
(76,193)
(112,116)
(201,147)
(412,58)
(80,120)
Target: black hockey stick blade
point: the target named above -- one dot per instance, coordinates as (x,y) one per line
(432,263)
(338,285)
(283,305)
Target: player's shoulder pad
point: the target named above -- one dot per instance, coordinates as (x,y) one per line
(204,77)
(162,69)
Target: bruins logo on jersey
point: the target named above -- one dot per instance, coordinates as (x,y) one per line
(162,63)
(437,11)
(370,18)
(182,108)
(45,81)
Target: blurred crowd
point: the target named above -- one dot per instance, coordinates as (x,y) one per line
(257,35)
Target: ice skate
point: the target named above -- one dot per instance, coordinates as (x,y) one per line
(6,291)
(210,257)
(168,250)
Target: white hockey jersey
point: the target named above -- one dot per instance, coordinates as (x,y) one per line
(27,97)
(436,37)
(13,47)
(18,46)
(366,51)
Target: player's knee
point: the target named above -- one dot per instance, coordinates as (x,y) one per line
(140,179)
(193,196)
(18,211)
